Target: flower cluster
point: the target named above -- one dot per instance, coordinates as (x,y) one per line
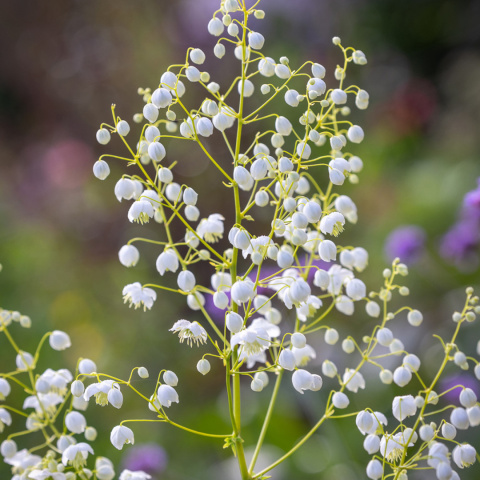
(58,434)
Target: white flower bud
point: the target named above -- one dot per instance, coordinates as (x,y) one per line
(283,126)
(128,255)
(327,250)
(298,340)
(204,127)
(115,397)
(219,50)
(348,346)
(234,322)
(8,448)
(215,27)
(426,433)
(192,73)
(449,431)
(232,29)
(329,369)
(143,372)
(356,289)
(101,169)
(257,385)
(263,377)
(412,362)
(203,366)
(170,378)
(75,422)
(24,360)
(374,469)
(331,336)
(338,96)
(197,56)
(474,415)
(355,134)
(401,376)
(161,98)
(415,318)
(312,211)
(167,395)
(459,418)
(5,389)
(220,300)
(286,360)
(150,112)
(261,198)
(321,279)
(340,400)
(77,388)
(259,169)
(256,40)
(242,176)
(384,336)
(282,71)
(123,128)
(186,281)
(365,422)
(59,340)
(318,71)
(165,175)
(103,136)
(304,150)
(87,366)
(156,151)
(192,213)
(371,443)
(91,435)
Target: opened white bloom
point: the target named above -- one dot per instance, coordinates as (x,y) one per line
(192,332)
(105,392)
(166,395)
(45,474)
(211,228)
(464,455)
(392,446)
(303,355)
(251,341)
(141,211)
(55,381)
(136,475)
(353,380)
(137,295)
(403,407)
(121,435)
(332,223)
(76,455)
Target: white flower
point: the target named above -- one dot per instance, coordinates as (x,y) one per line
(87,366)
(54,380)
(140,211)
(344,305)
(251,340)
(215,27)
(392,446)
(197,56)
(403,407)
(103,136)
(5,419)
(123,128)
(186,281)
(401,376)
(221,281)
(8,448)
(327,250)
(75,422)
(459,418)
(243,178)
(468,398)
(364,421)
(338,96)
(129,255)
(77,388)
(125,189)
(4,389)
(121,435)
(353,380)
(211,228)
(101,169)
(166,395)
(312,211)
(161,98)
(150,112)
(464,455)
(203,366)
(255,40)
(138,474)
(355,134)
(356,289)
(374,469)
(105,392)
(303,380)
(76,455)
(46,473)
(24,360)
(192,332)
(371,444)
(243,291)
(291,97)
(59,340)
(286,360)
(332,223)
(303,355)
(340,400)
(234,322)
(283,126)
(137,295)
(167,261)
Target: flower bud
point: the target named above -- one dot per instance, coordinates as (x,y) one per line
(143,372)
(101,169)
(123,128)
(298,340)
(75,422)
(150,112)
(415,318)
(257,385)
(234,322)
(340,400)
(286,360)
(186,281)
(77,388)
(87,366)
(203,366)
(91,435)
(8,448)
(129,255)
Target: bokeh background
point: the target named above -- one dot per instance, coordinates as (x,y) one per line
(65,62)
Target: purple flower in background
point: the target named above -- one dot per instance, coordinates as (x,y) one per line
(149,457)
(471,204)
(461,379)
(461,241)
(407,243)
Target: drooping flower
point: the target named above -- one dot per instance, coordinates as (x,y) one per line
(121,435)
(105,392)
(211,228)
(76,455)
(137,295)
(192,332)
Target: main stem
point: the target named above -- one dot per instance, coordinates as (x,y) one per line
(237,424)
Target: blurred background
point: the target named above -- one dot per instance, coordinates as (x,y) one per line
(65,63)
